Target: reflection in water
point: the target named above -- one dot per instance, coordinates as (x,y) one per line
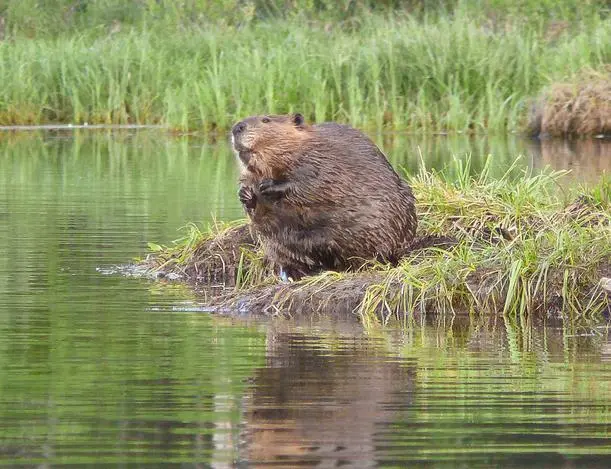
(456,394)
(315,404)
(409,151)
(586,159)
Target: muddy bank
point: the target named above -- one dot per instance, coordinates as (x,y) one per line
(382,294)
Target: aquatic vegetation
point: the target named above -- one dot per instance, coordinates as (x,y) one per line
(513,246)
(443,72)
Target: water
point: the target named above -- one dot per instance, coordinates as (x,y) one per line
(117,372)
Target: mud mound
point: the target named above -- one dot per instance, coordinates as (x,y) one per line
(491,246)
(226,256)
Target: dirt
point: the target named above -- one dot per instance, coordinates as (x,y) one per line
(215,260)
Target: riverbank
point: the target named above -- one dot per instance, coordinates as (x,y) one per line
(448,72)
(484,246)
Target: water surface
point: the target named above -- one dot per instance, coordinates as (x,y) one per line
(108,371)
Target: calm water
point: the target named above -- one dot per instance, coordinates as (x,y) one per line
(115,372)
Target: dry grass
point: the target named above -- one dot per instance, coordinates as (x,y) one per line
(581,109)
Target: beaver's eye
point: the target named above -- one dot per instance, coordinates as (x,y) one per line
(265,120)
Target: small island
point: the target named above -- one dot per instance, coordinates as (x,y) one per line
(514,245)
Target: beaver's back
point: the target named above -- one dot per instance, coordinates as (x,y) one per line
(348,150)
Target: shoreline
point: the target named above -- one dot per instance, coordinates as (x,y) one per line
(384,132)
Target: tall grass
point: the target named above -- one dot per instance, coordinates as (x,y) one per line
(391,72)
(33,18)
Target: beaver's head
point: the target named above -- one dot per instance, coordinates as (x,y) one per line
(262,141)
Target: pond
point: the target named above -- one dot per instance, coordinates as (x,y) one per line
(120,372)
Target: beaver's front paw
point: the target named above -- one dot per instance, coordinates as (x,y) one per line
(247,197)
(272,189)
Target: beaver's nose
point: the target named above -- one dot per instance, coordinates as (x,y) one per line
(238,128)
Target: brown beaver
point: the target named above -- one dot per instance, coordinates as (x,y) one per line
(321,197)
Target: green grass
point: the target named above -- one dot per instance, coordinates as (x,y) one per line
(422,73)
(524,247)
(521,248)
(33,18)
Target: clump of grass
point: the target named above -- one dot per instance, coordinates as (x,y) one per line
(579,109)
(225,253)
(518,249)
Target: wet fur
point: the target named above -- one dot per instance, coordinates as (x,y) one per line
(321,197)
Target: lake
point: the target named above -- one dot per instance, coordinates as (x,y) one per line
(108,371)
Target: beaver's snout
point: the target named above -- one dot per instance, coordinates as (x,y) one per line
(237,137)
(238,128)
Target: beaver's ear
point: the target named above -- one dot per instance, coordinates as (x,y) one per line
(298,120)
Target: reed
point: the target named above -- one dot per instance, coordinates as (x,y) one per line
(443,72)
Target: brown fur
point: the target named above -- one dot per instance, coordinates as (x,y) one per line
(321,197)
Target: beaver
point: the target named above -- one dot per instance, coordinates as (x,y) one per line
(321,197)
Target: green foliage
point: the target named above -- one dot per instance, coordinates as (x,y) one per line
(552,10)
(400,72)
(545,256)
(53,17)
